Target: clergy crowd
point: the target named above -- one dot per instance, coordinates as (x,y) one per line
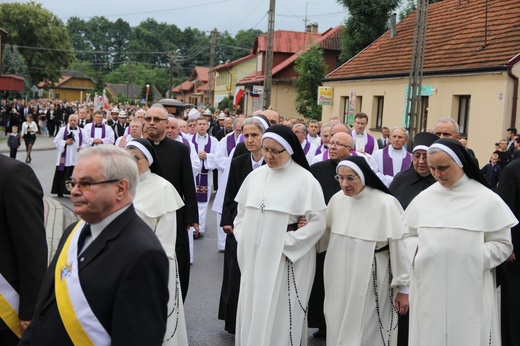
(387,241)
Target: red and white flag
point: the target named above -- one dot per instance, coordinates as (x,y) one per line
(239,93)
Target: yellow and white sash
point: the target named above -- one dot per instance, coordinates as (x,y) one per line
(9,303)
(80,322)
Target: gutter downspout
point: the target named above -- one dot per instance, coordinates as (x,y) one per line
(510,73)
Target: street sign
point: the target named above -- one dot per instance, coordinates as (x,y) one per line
(258,89)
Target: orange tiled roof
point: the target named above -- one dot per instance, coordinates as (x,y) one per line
(184,86)
(454,41)
(330,39)
(285,41)
(233,63)
(200,73)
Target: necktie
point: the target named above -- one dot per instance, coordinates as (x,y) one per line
(85,233)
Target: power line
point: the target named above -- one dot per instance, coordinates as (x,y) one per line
(158,11)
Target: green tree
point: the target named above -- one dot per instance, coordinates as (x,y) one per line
(42,39)
(367,21)
(410,7)
(311,68)
(14,63)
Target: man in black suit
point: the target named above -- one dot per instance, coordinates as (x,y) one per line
(176,163)
(23,246)
(509,271)
(110,272)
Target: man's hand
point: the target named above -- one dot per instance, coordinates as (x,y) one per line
(401,303)
(511,257)
(24,325)
(302,221)
(202,155)
(196,228)
(228,229)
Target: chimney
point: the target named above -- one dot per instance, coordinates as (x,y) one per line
(393,24)
(314,28)
(308,28)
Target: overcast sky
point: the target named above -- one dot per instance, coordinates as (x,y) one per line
(230,15)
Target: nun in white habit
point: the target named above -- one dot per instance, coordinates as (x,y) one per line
(156,202)
(277,257)
(457,232)
(366,273)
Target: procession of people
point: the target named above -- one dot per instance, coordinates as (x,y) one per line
(389,241)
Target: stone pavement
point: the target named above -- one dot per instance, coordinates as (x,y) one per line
(56,218)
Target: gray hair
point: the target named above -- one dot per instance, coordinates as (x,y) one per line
(117,163)
(303,127)
(253,121)
(400,128)
(448,120)
(235,122)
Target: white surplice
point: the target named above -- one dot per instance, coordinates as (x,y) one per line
(455,237)
(277,265)
(357,311)
(156,202)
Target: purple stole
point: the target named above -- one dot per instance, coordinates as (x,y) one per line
(369,145)
(61,166)
(388,167)
(306,147)
(326,155)
(231,143)
(93,131)
(202,178)
(318,151)
(185,142)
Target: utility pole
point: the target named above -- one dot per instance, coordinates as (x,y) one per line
(413,104)
(268,67)
(172,61)
(211,77)
(129,79)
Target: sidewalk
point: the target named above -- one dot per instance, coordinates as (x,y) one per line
(42,143)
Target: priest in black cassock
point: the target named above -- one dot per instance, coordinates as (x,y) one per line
(509,271)
(340,147)
(409,183)
(405,186)
(176,163)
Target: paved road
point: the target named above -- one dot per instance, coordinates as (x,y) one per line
(201,304)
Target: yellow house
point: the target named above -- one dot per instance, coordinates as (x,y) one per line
(471,70)
(72,86)
(228,74)
(287,47)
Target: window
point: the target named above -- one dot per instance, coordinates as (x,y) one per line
(463,114)
(259,65)
(379,102)
(346,101)
(423,115)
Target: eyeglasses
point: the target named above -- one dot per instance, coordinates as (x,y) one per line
(349,178)
(155,119)
(274,152)
(331,144)
(85,185)
(418,156)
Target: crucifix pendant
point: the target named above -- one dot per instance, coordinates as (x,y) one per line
(262,207)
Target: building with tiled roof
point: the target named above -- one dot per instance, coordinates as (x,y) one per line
(194,90)
(72,85)
(287,47)
(228,74)
(471,70)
